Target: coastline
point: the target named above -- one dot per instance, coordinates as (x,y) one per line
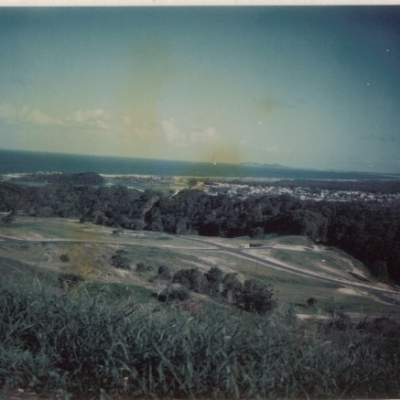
(18,162)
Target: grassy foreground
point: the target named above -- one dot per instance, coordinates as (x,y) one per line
(77,344)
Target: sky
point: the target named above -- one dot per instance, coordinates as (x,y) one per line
(305,87)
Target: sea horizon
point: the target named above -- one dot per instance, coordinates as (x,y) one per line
(22,162)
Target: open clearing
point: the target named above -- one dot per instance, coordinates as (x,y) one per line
(298,269)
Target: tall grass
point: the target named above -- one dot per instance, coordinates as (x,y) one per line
(86,346)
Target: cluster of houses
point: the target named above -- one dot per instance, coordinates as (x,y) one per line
(301,193)
(243,190)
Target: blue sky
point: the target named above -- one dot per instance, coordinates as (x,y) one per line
(309,87)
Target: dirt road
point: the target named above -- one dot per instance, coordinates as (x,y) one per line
(388,296)
(382,294)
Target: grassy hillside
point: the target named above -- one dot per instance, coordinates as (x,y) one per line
(90,249)
(74,324)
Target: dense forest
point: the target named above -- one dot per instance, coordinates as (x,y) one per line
(369,232)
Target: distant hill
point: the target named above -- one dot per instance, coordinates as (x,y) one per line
(255,164)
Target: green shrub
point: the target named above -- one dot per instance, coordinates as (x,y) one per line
(119,260)
(256,297)
(192,279)
(163,273)
(173,294)
(141,267)
(68,281)
(64,257)
(9,218)
(231,288)
(213,281)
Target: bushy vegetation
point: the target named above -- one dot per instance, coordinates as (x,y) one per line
(163,275)
(142,267)
(64,257)
(368,231)
(62,343)
(173,294)
(252,296)
(120,260)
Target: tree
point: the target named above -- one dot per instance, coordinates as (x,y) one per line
(312,302)
(163,273)
(119,260)
(162,277)
(46,211)
(192,279)
(231,288)
(171,294)
(379,270)
(257,232)
(214,279)
(181,226)
(256,297)
(64,257)
(141,267)
(9,218)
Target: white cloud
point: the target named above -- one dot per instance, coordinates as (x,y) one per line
(273,149)
(37,117)
(204,135)
(175,135)
(83,116)
(97,119)
(93,120)
(27,115)
(146,132)
(172,133)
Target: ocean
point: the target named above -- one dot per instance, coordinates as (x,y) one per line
(12,161)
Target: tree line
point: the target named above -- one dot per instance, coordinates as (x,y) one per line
(251,295)
(369,232)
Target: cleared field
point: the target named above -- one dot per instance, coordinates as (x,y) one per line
(41,243)
(268,240)
(328,264)
(36,229)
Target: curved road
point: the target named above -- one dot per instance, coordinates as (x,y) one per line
(382,294)
(379,292)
